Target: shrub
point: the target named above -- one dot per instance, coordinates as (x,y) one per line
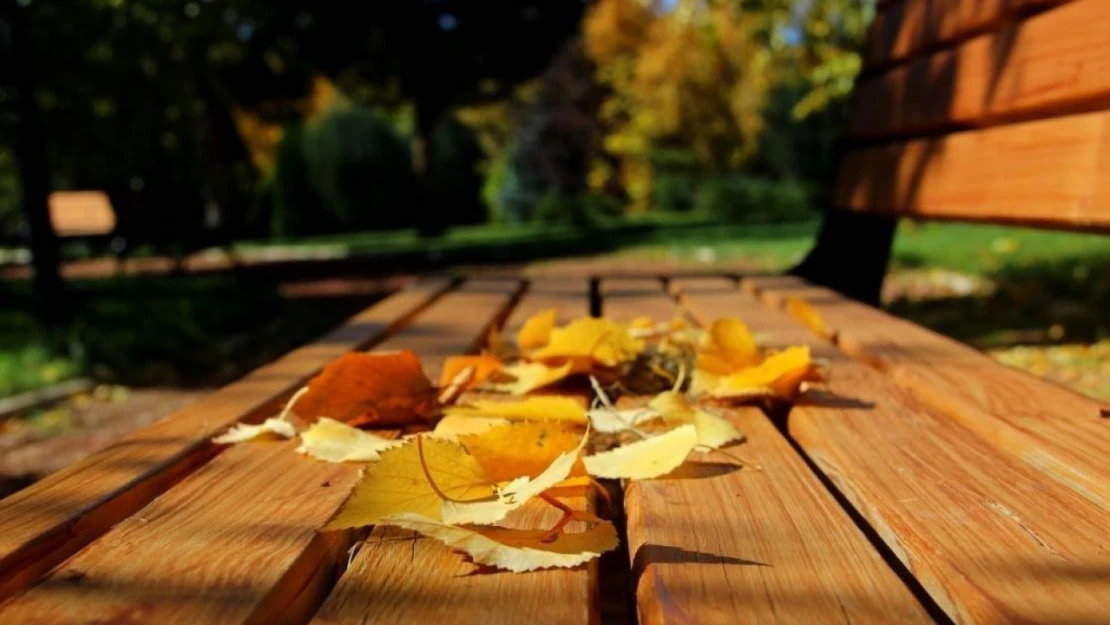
(673,192)
(746,198)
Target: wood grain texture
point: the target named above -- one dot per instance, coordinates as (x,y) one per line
(400,578)
(52,519)
(1051,173)
(236,542)
(988,537)
(713,544)
(1051,429)
(1054,62)
(905,28)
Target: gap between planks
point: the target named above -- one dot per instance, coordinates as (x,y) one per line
(713,544)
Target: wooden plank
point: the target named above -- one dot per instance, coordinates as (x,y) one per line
(47,522)
(1051,173)
(1060,433)
(396,578)
(236,541)
(906,28)
(716,545)
(1055,62)
(988,537)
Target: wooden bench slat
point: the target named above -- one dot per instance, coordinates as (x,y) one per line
(989,538)
(907,27)
(236,541)
(751,546)
(47,522)
(1046,426)
(1049,63)
(399,579)
(1052,172)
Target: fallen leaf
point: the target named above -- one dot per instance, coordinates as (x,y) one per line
(539,408)
(333,441)
(611,420)
(484,365)
(645,459)
(513,549)
(384,389)
(713,431)
(530,376)
(453,426)
(495,448)
(240,432)
(778,376)
(727,347)
(521,449)
(808,315)
(593,340)
(536,330)
(398,483)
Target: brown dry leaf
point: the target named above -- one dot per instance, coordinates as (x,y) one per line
(727,347)
(530,376)
(513,549)
(778,376)
(537,330)
(509,451)
(645,459)
(589,341)
(484,366)
(538,408)
(383,389)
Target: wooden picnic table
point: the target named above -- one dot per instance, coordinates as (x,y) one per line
(890,495)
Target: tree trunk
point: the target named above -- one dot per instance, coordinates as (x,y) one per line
(431,220)
(30,156)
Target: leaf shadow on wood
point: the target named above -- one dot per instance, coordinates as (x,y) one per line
(651,553)
(828,399)
(695,470)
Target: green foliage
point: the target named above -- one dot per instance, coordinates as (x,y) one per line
(587,210)
(673,192)
(750,199)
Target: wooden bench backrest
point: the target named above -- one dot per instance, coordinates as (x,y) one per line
(983,110)
(81,213)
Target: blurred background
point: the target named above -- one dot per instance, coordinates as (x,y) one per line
(230,178)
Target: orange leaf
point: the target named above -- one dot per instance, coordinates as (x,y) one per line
(537,330)
(385,389)
(484,366)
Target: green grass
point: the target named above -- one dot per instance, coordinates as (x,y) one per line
(31,366)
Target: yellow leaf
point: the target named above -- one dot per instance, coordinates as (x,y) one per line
(611,420)
(516,493)
(531,376)
(333,441)
(398,484)
(484,365)
(808,315)
(778,376)
(536,330)
(244,431)
(453,426)
(590,339)
(510,451)
(727,347)
(645,459)
(713,431)
(540,408)
(512,549)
